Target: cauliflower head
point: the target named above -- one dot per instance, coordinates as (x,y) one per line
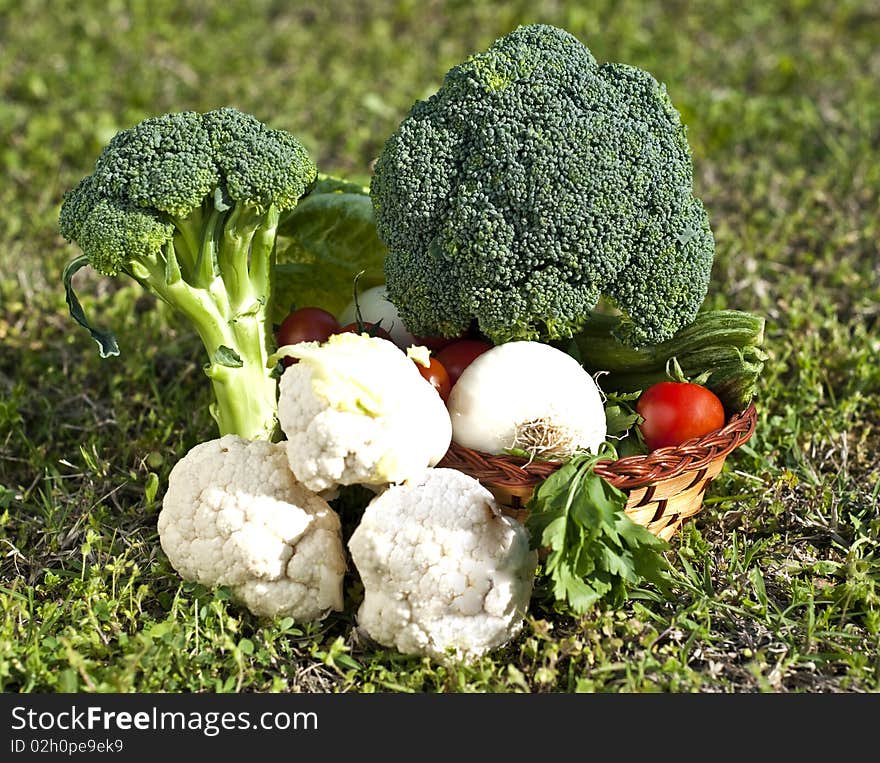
(356,410)
(445,573)
(234,515)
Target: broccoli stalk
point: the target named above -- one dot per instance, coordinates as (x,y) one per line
(188,205)
(230,314)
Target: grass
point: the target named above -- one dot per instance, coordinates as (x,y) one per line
(776,580)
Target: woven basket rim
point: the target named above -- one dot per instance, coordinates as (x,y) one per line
(626,473)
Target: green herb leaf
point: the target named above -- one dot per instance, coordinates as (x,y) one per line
(620,412)
(579,594)
(621,565)
(596,552)
(518,453)
(619,419)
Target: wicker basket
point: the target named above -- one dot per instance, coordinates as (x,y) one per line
(664,488)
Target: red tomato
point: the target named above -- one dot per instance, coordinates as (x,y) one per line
(459,355)
(677,411)
(368,328)
(437,375)
(306,324)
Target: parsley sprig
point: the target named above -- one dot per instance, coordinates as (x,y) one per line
(595,552)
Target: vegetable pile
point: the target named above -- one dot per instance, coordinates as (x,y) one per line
(523,278)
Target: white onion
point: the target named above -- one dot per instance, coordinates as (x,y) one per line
(527,396)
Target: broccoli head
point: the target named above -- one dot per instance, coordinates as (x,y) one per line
(188,204)
(533,183)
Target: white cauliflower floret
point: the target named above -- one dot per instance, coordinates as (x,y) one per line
(234,515)
(356,410)
(444,571)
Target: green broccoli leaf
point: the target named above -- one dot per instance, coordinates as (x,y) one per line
(228,357)
(105,340)
(595,552)
(324,243)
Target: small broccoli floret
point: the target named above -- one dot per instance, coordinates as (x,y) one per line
(188,204)
(533,182)
(114,233)
(260,166)
(164,163)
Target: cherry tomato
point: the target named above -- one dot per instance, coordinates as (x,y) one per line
(677,411)
(306,324)
(437,375)
(368,328)
(459,355)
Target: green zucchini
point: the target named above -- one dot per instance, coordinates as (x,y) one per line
(727,346)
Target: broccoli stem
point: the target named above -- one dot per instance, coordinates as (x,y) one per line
(238,341)
(206,263)
(187,242)
(263,254)
(245,396)
(235,250)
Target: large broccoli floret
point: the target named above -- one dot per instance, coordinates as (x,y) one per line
(533,182)
(188,205)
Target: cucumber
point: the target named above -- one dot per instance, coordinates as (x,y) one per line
(725,344)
